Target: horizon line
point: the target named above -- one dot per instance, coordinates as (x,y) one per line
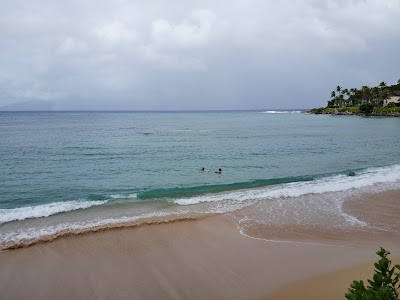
(155,110)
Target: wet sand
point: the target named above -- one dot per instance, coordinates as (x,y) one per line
(381,209)
(198,259)
(185,260)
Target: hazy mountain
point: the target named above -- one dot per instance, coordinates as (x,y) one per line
(34,105)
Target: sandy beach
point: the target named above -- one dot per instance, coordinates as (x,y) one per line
(332,285)
(198,259)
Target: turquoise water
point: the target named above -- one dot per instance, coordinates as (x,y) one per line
(61,169)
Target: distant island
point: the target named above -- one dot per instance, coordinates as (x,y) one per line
(381,100)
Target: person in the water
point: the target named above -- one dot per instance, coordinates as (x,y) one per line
(218,171)
(204,169)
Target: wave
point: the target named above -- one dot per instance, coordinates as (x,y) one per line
(322,185)
(44,210)
(120,196)
(235,192)
(282,112)
(29,236)
(225,201)
(210,189)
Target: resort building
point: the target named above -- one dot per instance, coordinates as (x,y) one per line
(392,99)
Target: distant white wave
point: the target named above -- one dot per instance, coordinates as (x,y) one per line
(44,210)
(120,196)
(282,112)
(338,183)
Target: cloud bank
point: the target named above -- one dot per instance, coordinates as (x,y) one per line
(158,55)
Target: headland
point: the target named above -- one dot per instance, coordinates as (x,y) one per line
(381,100)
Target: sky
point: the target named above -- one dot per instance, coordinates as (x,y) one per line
(193,55)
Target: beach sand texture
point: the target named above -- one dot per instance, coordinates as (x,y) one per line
(202,259)
(330,286)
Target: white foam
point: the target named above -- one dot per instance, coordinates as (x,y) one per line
(44,210)
(241,231)
(338,183)
(31,235)
(119,196)
(282,112)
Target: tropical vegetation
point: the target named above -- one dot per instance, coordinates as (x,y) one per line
(365,100)
(384,284)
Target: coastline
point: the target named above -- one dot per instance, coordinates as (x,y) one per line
(195,259)
(394,114)
(344,112)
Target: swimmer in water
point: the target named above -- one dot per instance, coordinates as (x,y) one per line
(204,169)
(218,171)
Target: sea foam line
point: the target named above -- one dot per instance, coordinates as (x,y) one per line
(44,210)
(282,112)
(120,196)
(288,241)
(337,183)
(29,236)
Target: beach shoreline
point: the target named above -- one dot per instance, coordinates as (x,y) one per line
(200,258)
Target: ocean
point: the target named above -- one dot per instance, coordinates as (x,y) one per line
(71,172)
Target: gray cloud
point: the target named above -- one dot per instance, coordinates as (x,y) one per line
(173,55)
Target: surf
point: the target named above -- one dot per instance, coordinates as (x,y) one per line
(316,185)
(218,199)
(179,192)
(44,210)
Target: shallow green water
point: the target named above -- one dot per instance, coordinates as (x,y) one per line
(54,162)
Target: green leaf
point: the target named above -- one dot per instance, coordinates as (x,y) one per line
(382,286)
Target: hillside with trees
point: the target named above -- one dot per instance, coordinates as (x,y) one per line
(378,100)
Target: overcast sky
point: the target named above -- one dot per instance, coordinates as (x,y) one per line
(219,54)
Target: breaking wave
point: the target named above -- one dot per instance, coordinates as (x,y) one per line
(120,196)
(328,184)
(44,210)
(282,112)
(29,236)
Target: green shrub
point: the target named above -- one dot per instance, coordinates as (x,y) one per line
(353,109)
(349,109)
(329,110)
(384,284)
(385,110)
(319,110)
(367,108)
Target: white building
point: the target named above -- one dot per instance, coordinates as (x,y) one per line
(392,99)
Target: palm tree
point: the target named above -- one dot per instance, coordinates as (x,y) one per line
(382,85)
(337,99)
(358,96)
(366,92)
(343,92)
(375,94)
(384,94)
(333,99)
(351,94)
(341,100)
(347,93)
